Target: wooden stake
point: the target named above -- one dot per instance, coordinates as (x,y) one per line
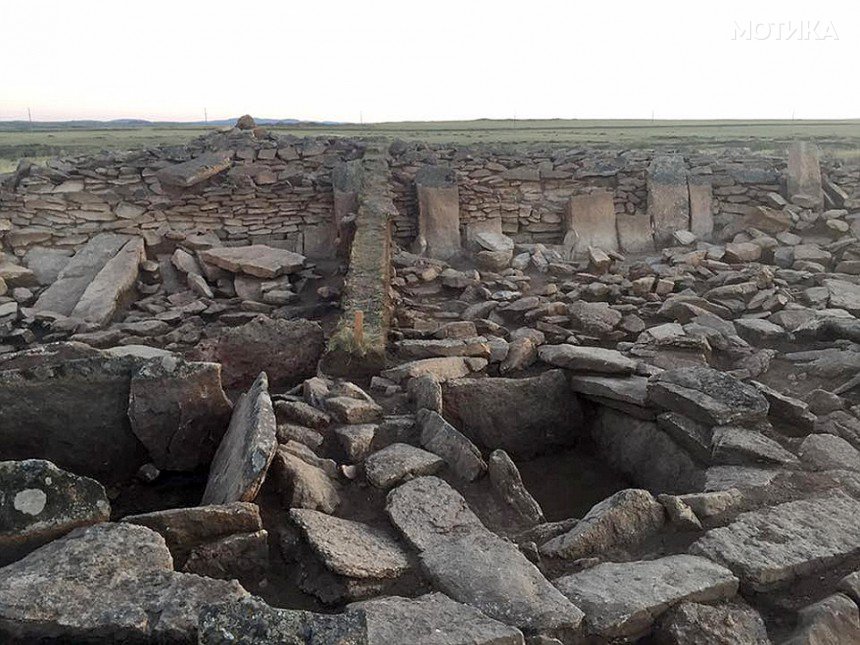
(358,328)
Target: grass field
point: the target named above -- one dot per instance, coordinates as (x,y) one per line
(839,138)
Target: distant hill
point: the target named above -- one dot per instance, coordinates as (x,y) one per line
(82,124)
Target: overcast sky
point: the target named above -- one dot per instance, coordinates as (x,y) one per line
(382,60)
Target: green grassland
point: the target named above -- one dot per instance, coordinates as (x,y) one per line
(837,138)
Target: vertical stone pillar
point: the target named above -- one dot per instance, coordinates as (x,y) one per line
(668,197)
(635,234)
(701,206)
(590,221)
(438,212)
(804,173)
(345,179)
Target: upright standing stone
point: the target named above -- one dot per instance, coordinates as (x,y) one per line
(668,197)
(113,285)
(439,211)
(804,172)
(590,221)
(345,184)
(635,233)
(701,212)
(242,459)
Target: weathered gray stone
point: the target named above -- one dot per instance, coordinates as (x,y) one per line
(803,175)
(701,206)
(441,438)
(707,395)
(178,411)
(112,286)
(243,457)
(303,484)
(438,211)
(828,452)
(625,519)
(668,197)
(105,583)
(692,623)
(631,390)
(432,619)
(590,221)
(194,171)
(474,566)
(39,503)
(444,369)
(350,548)
(346,409)
(47,263)
(835,619)
(521,416)
(185,528)
(770,548)
(587,359)
(506,480)
(252,622)
(62,296)
(241,556)
(398,462)
(622,600)
(257,260)
(739,446)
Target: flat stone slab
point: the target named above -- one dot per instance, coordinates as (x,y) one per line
(105,583)
(622,600)
(444,369)
(39,503)
(441,438)
(474,566)
(257,260)
(708,396)
(62,296)
(668,197)
(591,222)
(201,168)
(587,359)
(397,462)
(350,548)
(433,618)
(112,285)
(770,548)
(631,390)
(185,528)
(626,518)
(251,621)
(243,457)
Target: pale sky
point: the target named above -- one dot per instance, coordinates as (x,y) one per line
(382,60)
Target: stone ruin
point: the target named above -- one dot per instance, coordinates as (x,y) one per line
(260,389)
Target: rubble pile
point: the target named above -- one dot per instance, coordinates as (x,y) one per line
(568,442)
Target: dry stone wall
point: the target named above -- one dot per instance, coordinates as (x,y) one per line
(247,186)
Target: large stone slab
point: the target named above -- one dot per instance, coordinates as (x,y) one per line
(247,449)
(194,171)
(622,600)
(645,454)
(397,462)
(441,438)
(62,296)
(803,174)
(438,211)
(770,548)
(178,411)
(708,396)
(251,621)
(433,619)
(668,197)
(635,233)
(105,583)
(185,528)
(287,350)
(474,566)
(728,623)
(590,221)
(701,206)
(258,260)
(587,359)
(624,519)
(350,548)
(521,416)
(39,503)
(113,286)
